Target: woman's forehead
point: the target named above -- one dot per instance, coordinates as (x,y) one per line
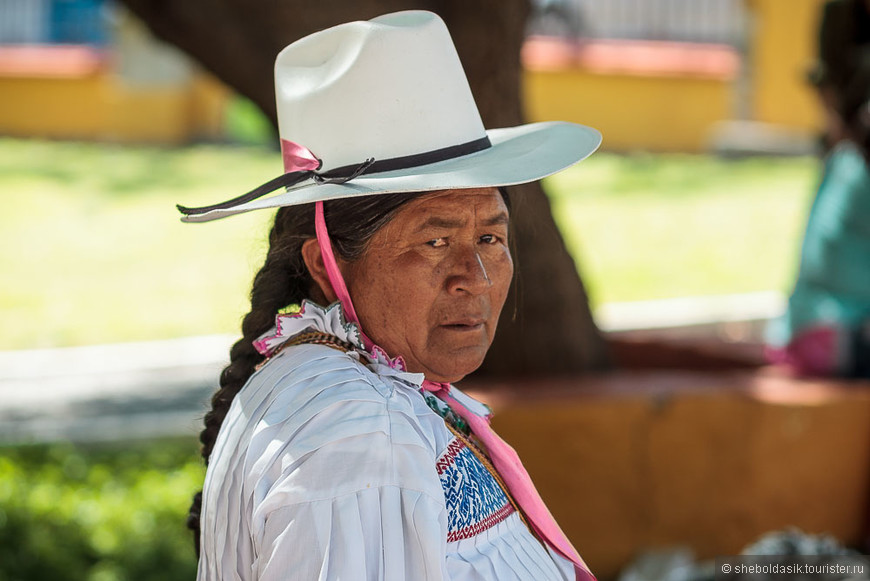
(453,208)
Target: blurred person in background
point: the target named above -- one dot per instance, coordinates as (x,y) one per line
(826,328)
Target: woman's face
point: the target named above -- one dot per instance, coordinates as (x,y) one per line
(433,281)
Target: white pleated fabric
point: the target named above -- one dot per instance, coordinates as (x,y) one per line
(325,469)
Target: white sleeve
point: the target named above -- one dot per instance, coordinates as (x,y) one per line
(344,487)
(376,534)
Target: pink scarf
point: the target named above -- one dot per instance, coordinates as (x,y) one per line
(503,457)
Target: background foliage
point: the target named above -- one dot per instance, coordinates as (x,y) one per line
(99,512)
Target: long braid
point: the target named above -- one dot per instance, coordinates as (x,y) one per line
(282,281)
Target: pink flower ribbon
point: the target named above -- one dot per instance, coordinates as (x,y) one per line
(298,157)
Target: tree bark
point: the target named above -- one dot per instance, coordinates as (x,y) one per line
(546,327)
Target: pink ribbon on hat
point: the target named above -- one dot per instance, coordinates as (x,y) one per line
(297,157)
(503,456)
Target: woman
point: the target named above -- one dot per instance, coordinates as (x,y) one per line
(336,446)
(825,330)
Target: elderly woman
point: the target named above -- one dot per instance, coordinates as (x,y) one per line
(337,447)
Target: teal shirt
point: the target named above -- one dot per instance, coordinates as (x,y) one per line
(833,283)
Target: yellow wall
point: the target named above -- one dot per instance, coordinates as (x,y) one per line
(677,112)
(56,107)
(100,106)
(783,46)
(656,113)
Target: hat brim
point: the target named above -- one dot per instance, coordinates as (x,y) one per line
(518,155)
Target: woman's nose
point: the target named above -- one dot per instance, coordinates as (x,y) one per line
(469,275)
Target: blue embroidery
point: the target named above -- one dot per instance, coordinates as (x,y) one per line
(475,501)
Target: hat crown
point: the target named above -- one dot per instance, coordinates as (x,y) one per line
(385,88)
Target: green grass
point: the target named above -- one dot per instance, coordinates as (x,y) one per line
(659,226)
(93,250)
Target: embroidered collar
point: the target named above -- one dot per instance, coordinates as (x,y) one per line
(331,320)
(310,317)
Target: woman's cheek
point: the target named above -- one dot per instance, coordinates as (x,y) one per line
(502,264)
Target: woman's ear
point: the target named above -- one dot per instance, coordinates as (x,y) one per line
(314,263)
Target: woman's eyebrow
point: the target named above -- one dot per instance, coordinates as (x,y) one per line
(440,222)
(500,219)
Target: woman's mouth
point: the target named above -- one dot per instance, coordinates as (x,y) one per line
(465,325)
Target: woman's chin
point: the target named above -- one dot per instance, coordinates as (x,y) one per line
(452,369)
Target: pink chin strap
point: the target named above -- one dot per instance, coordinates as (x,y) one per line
(335,278)
(503,457)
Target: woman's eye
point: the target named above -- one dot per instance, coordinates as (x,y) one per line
(437,242)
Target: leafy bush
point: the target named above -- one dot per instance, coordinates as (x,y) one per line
(97,513)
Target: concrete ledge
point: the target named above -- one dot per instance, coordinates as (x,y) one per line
(109,392)
(637,460)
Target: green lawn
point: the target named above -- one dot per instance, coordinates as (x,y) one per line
(93,250)
(660,226)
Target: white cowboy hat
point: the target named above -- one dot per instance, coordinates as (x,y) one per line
(383,106)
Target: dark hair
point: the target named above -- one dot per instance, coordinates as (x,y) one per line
(284,280)
(853,104)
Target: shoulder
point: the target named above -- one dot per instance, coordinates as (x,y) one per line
(846,180)
(303,383)
(317,422)
(310,430)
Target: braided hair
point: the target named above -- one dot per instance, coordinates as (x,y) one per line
(283,281)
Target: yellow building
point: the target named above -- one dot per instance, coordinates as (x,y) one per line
(657,96)
(141,91)
(663,96)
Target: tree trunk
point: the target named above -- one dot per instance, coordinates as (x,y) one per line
(546,327)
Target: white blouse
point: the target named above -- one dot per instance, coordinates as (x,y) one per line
(331,466)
